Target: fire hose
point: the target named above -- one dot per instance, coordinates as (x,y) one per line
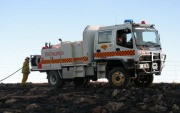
(10,74)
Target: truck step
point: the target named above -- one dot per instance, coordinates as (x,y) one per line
(101,70)
(79,71)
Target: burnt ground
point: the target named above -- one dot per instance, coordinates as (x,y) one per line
(94,98)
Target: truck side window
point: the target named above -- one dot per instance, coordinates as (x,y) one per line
(104,37)
(124,38)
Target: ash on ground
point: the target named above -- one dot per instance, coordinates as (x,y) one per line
(97,97)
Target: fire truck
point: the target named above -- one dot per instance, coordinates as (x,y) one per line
(124,53)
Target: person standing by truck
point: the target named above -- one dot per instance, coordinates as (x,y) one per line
(25,71)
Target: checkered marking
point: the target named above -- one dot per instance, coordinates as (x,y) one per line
(64,60)
(117,53)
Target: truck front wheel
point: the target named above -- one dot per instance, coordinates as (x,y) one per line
(119,78)
(54,79)
(144,80)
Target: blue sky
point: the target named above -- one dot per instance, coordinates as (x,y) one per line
(25,25)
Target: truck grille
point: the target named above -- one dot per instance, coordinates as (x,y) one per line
(148,58)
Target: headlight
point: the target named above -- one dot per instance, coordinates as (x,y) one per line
(144,66)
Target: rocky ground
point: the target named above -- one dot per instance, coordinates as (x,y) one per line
(94,98)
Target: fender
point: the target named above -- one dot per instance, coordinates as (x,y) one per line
(114,60)
(119,60)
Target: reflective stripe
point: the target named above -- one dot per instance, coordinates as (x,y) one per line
(116,53)
(64,60)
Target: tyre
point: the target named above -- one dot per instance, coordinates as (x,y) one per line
(80,81)
(54,79)
(33,61)
(118,78)
(144,80)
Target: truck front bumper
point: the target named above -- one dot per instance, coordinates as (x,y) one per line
(153,65)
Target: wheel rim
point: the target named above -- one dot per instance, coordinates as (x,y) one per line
(53,79)
(118,78)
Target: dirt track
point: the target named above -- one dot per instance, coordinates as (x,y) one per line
(95,98)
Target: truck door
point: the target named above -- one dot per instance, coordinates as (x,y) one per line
(103,44)
(124,42)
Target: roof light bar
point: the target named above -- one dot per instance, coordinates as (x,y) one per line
(128,21)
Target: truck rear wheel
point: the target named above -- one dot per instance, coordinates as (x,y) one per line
(80,81)
(119,78)
(54,79)
(144,80)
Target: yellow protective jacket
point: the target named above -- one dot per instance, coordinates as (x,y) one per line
(25,68)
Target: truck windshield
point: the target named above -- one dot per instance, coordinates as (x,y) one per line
(146,37)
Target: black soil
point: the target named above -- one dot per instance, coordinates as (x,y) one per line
(94,98)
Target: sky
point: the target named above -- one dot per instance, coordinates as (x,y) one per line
(25,25)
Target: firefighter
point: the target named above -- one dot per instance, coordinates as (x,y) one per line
(25,71)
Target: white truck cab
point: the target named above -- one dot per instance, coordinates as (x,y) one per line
(119,53)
